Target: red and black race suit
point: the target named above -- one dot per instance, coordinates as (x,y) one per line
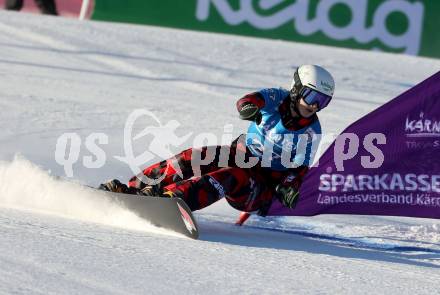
(245,189)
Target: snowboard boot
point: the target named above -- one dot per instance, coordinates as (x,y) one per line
(151,190)
(114,186)
(156,191)
(168,194)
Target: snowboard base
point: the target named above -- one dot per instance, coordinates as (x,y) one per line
(168,213)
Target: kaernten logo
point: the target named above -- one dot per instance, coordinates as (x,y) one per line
(422,127)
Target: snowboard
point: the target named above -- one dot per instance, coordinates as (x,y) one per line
(168,213)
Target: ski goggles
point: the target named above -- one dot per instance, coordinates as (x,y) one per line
(312,96)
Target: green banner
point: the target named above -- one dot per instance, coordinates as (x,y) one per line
(404,26)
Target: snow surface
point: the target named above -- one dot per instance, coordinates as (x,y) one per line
(59,75)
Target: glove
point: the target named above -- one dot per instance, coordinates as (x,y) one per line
(287,195)
(288,190)
(250,112)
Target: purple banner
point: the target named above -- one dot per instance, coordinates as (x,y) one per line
(386,163)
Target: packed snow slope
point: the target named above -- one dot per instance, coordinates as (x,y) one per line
(61,76)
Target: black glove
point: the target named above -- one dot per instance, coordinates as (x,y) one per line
(250,112)
(288,195)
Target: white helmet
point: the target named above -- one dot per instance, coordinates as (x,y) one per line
(314,77)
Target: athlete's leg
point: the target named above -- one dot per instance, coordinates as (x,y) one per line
(242,189)
(179,167)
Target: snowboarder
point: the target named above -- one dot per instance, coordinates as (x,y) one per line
(274,113)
